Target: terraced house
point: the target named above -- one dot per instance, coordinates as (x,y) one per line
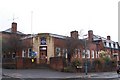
(48,48)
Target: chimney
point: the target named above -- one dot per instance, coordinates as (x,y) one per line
(74,34)
(14,27)
(90,35)
(108,38)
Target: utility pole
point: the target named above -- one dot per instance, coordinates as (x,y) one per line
(86,71)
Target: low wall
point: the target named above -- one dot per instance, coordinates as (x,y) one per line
(57,63)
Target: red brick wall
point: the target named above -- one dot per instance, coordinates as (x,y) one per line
(57,63)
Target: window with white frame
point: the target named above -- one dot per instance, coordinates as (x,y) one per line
(88,53)
(116,46)
(92,54)
(23,53)
(96,54)
(64,52)
(58,51)
(79,53)
(29,52)
(112,45)
(83,54)
(13,55)
(107,44)
(75,51)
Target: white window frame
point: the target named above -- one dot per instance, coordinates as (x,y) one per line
(92,54)
(58,51)
(83,54)
(88,53)
(13,54)
(107,44)
(79,53)
(29,52)
(23,53)
(116,46)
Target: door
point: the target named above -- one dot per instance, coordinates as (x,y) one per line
(43,54)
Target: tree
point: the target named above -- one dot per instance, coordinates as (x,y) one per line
(12,44)
(72,44)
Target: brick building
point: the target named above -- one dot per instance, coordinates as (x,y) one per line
(43,46)
(53,45)
(13,44)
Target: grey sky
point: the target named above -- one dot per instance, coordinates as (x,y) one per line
(61,16)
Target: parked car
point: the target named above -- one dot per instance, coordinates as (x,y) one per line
(118,69)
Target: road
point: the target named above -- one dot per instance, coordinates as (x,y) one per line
(47,74)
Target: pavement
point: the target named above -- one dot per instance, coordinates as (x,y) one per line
(24,74)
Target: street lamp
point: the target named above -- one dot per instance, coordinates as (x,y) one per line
(86,71)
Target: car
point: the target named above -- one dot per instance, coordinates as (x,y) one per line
(118,69)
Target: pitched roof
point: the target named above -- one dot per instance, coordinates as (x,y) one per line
(10,31)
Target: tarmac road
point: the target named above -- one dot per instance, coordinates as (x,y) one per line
(47,74)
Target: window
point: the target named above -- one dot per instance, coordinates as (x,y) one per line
(92,53)
(83,54)
(109,44)
(79,53)
(57,51)
(105,43)
(114,45)
(29,52)
(96,55)
(88,53)
(75,53)
(43,41)
(65,53)
(13,55)
(23,53)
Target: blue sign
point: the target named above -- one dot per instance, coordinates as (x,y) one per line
(43,41)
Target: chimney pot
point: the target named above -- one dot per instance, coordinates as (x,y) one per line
(14,27)
(108,38)
(74,34)
(90,35)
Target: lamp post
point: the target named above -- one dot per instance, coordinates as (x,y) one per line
(86,71)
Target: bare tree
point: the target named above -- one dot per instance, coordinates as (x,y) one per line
(11,45)
(72,44)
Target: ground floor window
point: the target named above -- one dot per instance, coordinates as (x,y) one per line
(92,53)
(23,53)
(13,55)
(83,54)
(29,52)
(58,51)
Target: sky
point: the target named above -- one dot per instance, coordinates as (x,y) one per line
(61,16)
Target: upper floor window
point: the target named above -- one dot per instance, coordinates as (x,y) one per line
(105,43)
(109,44)
(114,45)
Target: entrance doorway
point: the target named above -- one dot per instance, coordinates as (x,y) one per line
(43,54)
